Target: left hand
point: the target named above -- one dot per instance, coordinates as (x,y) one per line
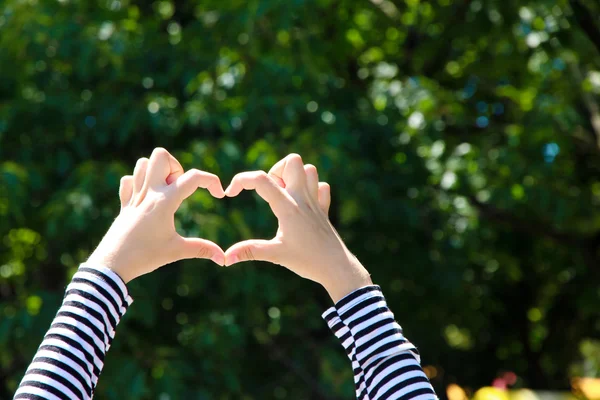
(306,242)
(143,237)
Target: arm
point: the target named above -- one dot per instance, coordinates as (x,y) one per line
(69,360)
(141,239)
(385,363)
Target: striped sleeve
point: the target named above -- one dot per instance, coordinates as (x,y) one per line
(386,365)
(71,356)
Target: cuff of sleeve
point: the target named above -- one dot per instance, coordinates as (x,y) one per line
(361,305)
(331,315)
(339,329)
(112,279)
(375,332)
(359,295)
(336,324)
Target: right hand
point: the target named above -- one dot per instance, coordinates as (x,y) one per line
(306,242)
(143,237)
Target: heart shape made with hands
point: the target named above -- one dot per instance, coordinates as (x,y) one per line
(143,237)
(305,243)
(144,232)
(292,192)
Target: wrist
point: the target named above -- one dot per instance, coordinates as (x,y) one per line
(346,279)
(109,261)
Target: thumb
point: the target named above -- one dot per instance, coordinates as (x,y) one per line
(199,248)
(324,196)
(251,250)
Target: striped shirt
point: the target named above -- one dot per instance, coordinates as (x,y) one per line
(71,356)
(69,360)
(386,365)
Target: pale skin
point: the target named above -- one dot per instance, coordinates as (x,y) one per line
(143,237)
(306,243)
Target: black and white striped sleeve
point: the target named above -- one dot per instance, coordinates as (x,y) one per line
(386,365)
(71,356)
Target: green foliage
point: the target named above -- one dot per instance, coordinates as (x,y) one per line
(461,140)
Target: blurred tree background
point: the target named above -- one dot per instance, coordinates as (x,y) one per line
(461,139)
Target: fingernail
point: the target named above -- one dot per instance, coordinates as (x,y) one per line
(218,259)
(232,260)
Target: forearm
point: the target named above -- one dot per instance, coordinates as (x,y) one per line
(71,356)
(386,365)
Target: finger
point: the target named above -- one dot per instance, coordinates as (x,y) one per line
(176,170)
(291,171)
(278,180)
(139,175)
(162,165)
(254,250)
(265,186)
(193,179)
(312,180)
(324,196)
(126,190)
(187,248)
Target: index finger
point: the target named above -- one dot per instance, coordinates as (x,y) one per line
(162,168)
(176,170)
(290,170)
(265,186)
(193,179)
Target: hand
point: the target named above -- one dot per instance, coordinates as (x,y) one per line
(143,237)
(306,242)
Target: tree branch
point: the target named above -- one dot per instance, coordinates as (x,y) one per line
(584,19)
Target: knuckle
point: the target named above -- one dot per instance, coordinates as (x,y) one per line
(240,175)
(311,169)
(141,162)
(195,173)
(262,176)
(203,252)
(248,254)
(160,151)
(211,177)
(295,158)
